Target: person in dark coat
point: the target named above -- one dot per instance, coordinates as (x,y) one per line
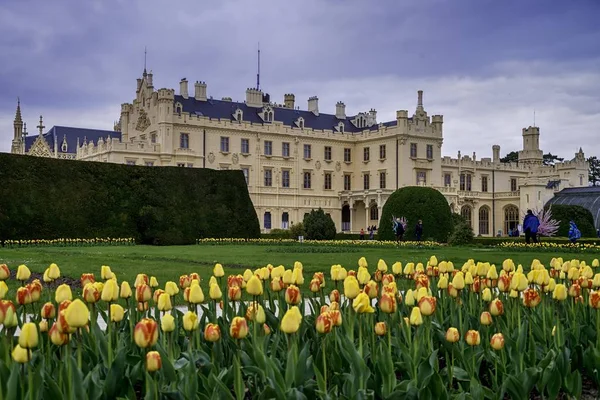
(398,230)
(530,226)
(419,230)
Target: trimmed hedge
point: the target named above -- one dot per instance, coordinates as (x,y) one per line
(49,198)
(582,216)
(414,203)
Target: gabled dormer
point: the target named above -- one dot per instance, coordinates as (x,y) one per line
(178,108)
(267,114)
(340,127)
(361,121)
(300,122)
(64,147)
(238,115)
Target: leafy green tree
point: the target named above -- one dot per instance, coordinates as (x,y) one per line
(297,230)
(551,159)
(513,156)
(594,171)
(319,226)
(461,235)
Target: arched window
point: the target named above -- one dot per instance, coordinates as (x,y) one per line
(301,124)
(178,108)
(465,211)
(345,218)
(511,219)
(374,213)
(285,220)
(484,221)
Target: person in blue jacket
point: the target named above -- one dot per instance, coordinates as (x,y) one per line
(530,227)
(574,232)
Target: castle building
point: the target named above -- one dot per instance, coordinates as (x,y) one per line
(295,160)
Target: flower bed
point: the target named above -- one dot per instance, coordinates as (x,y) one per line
(364,243)
(69,242)
(429,329)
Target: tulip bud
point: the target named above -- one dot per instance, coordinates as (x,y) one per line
(29,336)
(254,286)
(167,323)
(290,323)
(380,328)
(48,311)
(23,273)
(334,296)
(266,329)
(90,294)
(234,293)
(77,314)
(257,315)
(184,281)
(190,321)
(486,295)
(43,325)
(496,307)
(292,295)
(21,355)
(458,282)
(4,272)
(218,271)
(427,305)
(314,285)
(171,288)
(143,293)
(212,332)
(497,341)
(87,278)
(53,271)
(351,288)
(452,335)
(409,298)
(110,291)
(238,328)
(196,296)
(63,292)
(105,272)
(153,361)
(324,323)
(362,304)
(397,268)
(146,333)
(125,291)
(473,338)
(215,292)
(336,317)
(415,317)
(117,313)
(594,299)
(485,318)
(387,303)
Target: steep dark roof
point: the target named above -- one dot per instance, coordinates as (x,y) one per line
(58,133)
(226,109)
(587,197)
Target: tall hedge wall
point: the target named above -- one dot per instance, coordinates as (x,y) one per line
(44,198)
(582,216)
(414,203)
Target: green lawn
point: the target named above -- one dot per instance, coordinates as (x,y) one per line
(168,263)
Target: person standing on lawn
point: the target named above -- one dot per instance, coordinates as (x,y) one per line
(398,230)
(574,232)
(530,226)
(419,230)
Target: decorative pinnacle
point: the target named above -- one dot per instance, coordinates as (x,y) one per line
(18,113)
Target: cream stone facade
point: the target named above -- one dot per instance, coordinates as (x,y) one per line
(297,160)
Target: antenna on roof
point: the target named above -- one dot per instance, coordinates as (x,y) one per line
(258,73)
(145,54)
(534,117)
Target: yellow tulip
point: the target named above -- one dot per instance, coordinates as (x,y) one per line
(153,282)
(125,290)
(77,314)
(297,276)
(595,263)
(153,361)
(492,273)
(247,275)
(110,291)
(196,294)
(21,355)
(363,276)
(415,317)
(362,262)
(164,302)
(190,321)
(218,271)
(298,265)
(382,266)
(288,277)
(443,282)
(351,288)
(409,298)
(3,289)
(23,273)
(278,271)
(362,304)
(560,292)
(105,272)
(254,286)
(117,313)
(29,336)
(452,335)
(409,269)
(53,271)
(4,272)
(167,323)
(458,282)
(290,323)
(46,276)
(215,292)
(433,261)
(397,268)
(63,292)
(171,288)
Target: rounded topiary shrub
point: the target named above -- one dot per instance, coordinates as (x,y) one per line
(582,217)
(417,203)
(319,226)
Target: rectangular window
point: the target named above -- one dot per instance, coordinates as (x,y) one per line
(382,180)
(153,138)
(267,220)
(347,155)
(285,149)
(307,151)
(513,184)
(347,182)
(469,177)
(447,180)
(184,140)
(327,181)
(413,150)
(421,178)
(268,177)
(130,162)
(327,155)
(224,144)
(246,172)
(285,220)
(245,146)
(382,152)
(180,164)
(307,180)
(430,152)
(484,183)
(268,148)
(149,163)
(285,178)
(192,165)
(366,154)
(366,181)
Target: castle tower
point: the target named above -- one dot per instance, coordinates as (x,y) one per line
(531,152)
(18,139)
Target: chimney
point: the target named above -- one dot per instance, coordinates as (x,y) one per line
(289,100)
(372,117)
(200,91)
(420,99)
(183,88)
(340,110)
(313,105)
(254,98)
(496,153)
(149,79)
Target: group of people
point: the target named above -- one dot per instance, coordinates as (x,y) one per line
(371,230)
(531,223)
(399,230)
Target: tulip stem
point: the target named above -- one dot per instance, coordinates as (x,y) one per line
(451,365)
(30,377)
(324,365)
(79,346)
(109,328)
(598,329)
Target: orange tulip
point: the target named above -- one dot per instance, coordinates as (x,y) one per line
(143,293)
(334,296)
(235,280)
(387,303)
(277,284)
(156,295)
(387,279)
(324,323)
(48,311)
(380,328)
(90,293)
(4,272)
(497,341)
(62,325)
(195,276)
(212,332)
(595,299)
(184,281)
(504,282)
(57,337)
(531,298)
(422,280)
(427,305)
(145,333)
(24,295)
(336,317)
(473,338)
(452,335)
(485,318)
(371,289)
(63,305)
(575,290)
(35,289)
(496,307)
(141,279)
(314,285)
(292,295)
(141,307)
(87,278)
(238,328)
(153,361)
(234,293)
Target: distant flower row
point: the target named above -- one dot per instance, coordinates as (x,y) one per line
(549,246)
(62,242)
(345,242)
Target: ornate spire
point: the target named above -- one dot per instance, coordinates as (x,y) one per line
(41,126)
(18,118)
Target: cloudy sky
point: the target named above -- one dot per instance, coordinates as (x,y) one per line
(486,65)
